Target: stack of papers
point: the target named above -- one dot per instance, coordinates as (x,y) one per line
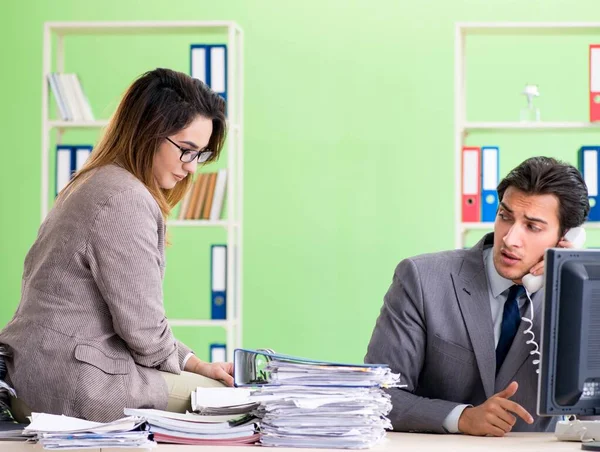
(192,428)
(306,403)
(64,432)
(327,417)
(328,374)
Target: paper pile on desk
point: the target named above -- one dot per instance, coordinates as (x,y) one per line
(305,403)
(64,432)
(226,422)
(300,416)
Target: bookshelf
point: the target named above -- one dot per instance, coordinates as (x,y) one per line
(462,127)
(53,60)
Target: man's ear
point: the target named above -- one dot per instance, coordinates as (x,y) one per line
(562,231)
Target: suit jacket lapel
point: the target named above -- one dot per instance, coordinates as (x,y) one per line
(520,350)
(471,288)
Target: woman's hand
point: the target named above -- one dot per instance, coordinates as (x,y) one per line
(217,371)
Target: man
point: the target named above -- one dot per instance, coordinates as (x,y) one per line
(449,319)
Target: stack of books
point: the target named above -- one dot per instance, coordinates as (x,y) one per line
(205,199)
(217,420)
(307,403)
(73,105)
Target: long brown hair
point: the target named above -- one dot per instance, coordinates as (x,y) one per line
(158,104)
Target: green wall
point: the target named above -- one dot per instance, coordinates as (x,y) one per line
(348,142)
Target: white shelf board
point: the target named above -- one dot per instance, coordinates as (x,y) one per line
(473,226)
(528,27)
(137,27)
(201,223)
(202,322)
(490,226)
(59,124)
(541,125)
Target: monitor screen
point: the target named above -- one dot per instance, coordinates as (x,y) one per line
(569,379)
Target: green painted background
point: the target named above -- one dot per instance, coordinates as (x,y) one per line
(348,142)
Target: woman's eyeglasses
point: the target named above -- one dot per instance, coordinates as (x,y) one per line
(188,155)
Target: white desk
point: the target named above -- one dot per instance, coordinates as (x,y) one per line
(395,442)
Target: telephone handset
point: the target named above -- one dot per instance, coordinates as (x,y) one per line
(534,283)
(574,235)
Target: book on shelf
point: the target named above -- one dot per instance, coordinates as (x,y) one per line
(195,192)
(210,191)
(197,212)
(73,104)
(219,195)
(205,199)
(185,203)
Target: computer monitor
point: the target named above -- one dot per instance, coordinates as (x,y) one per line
(569,379)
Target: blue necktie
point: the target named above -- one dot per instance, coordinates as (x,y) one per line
(511,318)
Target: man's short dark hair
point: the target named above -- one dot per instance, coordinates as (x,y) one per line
(548,176)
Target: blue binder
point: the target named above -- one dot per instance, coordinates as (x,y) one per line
(589,165)
(217,353)
(208,63)
(64,163)
(490,174)
(218,282)
(82,152)
(69,158)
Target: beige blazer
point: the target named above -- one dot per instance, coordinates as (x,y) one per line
(90,333)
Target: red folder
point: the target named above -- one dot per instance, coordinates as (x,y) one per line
(471,184)
(594,82)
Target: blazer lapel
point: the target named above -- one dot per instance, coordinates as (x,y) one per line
(471,288)
(519,350)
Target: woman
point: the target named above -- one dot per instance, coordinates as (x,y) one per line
(90,336)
